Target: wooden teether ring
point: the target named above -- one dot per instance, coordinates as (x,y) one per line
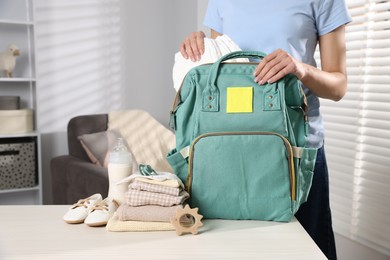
(180,229)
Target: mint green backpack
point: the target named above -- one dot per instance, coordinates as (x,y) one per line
(240,147)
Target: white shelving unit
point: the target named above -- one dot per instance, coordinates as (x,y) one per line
(17,27)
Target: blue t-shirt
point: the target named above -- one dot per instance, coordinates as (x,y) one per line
(291,25)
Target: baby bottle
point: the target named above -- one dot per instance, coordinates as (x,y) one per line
(119,167)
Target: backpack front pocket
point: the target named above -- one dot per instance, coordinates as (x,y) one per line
(242,175)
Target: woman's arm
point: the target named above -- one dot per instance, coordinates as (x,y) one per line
(329,83)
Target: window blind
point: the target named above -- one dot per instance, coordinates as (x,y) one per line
(79,61)
(357,130)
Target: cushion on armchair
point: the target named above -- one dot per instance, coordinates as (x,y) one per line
(98,146)
(80,125)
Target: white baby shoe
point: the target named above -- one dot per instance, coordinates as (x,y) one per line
(80,210)
(101,212)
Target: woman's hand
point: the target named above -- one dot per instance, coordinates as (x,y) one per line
(329,82)
(277,65)
(193,46)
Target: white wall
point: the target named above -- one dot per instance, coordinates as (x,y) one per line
(348,249)
(152,31)
(95,56)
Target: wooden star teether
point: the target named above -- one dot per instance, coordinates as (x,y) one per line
(187,220)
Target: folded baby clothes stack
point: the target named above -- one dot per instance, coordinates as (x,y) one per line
(150,203)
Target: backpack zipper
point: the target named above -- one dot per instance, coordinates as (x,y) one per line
(286,143)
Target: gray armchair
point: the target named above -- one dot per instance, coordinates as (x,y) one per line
(74,176)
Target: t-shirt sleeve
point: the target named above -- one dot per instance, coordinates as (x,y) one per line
(212,18)
(331,15)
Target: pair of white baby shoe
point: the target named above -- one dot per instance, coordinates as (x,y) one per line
(93,211)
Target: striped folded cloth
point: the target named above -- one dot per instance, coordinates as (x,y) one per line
(141,198)
(146,213)
(139,185)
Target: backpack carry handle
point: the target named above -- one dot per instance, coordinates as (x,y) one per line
(241,54)
(237,54)
(211,92)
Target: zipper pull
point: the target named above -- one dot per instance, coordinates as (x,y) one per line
(172,120)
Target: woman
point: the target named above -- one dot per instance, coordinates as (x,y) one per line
(290,31)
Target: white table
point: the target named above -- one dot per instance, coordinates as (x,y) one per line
(38,232)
